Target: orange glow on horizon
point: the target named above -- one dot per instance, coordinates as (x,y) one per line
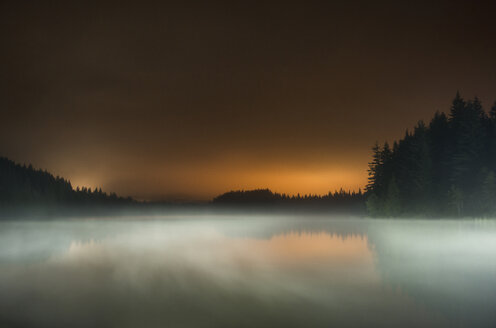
(206,182)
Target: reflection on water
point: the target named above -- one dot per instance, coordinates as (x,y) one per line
(247,271)
(307,246)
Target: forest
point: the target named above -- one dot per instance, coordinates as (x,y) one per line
(339,200)
(24,185)
(444,168)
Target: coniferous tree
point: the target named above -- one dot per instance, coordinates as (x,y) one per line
(439,138)
(392,205)
(374,169)
(491,136)
(488,194)
(444,168)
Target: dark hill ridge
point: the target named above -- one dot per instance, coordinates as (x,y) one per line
(22,185)
(265,197)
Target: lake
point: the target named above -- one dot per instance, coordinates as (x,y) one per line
(247,271)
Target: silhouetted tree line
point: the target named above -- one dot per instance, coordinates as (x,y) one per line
(445,168)
(21,184)
(338,199)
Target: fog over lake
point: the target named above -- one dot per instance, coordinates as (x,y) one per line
(247,271)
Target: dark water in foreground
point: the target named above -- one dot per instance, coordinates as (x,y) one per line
(247,271)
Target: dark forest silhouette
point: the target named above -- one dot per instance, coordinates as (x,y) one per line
(339,199)
(21,185)
(24,185)
(446,168)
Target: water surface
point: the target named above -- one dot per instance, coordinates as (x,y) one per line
(247,271)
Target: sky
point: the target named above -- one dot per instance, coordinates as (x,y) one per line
(184,100)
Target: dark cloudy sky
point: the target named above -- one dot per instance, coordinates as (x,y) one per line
(188,99)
